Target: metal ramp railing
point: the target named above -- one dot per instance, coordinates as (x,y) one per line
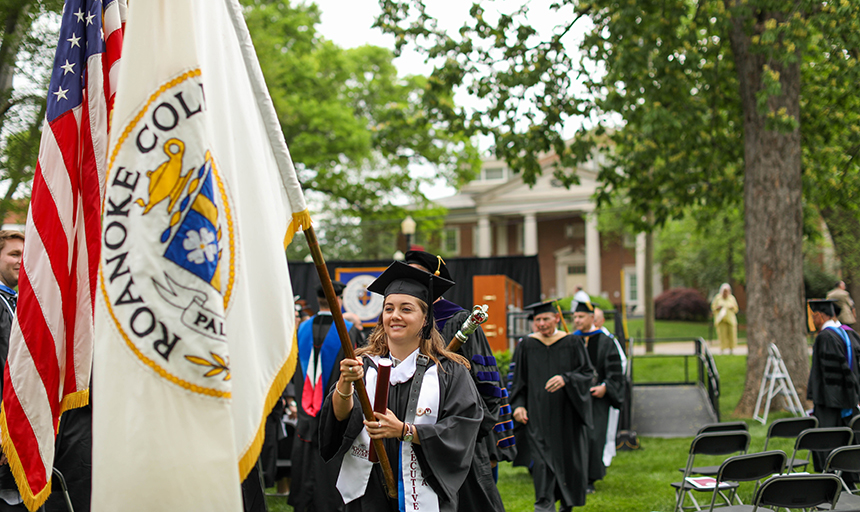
(676,407)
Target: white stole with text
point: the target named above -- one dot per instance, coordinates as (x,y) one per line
(414,493)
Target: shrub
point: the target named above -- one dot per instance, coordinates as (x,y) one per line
(681,304)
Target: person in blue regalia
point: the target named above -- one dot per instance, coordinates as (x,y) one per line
(313,481)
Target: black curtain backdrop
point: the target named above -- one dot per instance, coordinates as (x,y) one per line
(522,269)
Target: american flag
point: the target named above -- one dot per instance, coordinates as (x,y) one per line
(50,349)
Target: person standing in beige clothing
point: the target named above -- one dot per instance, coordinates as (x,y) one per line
(725,309)
(844,301)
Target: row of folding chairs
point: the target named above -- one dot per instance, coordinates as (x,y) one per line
(730,438)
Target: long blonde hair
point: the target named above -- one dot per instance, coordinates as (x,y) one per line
(433,347)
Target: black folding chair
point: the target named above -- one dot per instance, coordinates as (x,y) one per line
(790,428)
(820,439)
(792,492)
(727,426)
(709,443)
(746,468)
(62,481)
(798,491)
(842,459)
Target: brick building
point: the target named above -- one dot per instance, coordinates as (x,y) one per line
(499,215)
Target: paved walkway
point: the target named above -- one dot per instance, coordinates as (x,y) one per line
(685,347)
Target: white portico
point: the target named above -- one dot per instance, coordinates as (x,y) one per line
(499,215)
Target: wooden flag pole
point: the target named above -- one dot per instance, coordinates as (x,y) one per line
(346,344)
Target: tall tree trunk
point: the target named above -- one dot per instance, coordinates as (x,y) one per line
(773,214)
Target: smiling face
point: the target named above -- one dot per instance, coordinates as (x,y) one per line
(402,319)
(546,323)
(10,261)
(583,321)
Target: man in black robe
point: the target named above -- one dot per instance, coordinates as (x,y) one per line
(834,378)
(551,396)
(607,393)
(479,491)
(313,480)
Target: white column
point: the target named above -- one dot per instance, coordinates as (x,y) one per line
(485,243)
(502,239)
(530,234)
(640,270)
(592,256)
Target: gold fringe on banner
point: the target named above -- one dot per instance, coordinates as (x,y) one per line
(75,400)
(31,501)
(249,459)
(300,222)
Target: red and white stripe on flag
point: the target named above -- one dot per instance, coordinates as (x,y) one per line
(51,345)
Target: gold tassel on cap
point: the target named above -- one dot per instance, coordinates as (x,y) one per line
(439,264)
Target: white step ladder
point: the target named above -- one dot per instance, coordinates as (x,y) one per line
(778,382)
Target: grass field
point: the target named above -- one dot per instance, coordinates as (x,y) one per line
(638,481)
(679,329)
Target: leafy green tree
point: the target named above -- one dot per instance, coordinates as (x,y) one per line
(354,128)
(704,108)
(26,53)
(703,253)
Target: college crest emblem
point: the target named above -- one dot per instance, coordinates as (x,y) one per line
(168,241)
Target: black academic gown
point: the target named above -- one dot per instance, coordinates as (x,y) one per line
(607,363)
(446,448)
(558,423)
(479,491)
(313,480)
(833,384)
(7,316)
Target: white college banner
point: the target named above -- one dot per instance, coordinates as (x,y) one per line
(195,322)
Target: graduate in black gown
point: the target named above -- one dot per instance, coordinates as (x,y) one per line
(479,491)
(609,390)
(430,446)
(834,377)
(551,396)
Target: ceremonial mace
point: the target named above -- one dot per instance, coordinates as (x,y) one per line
(478,316)
(349,353)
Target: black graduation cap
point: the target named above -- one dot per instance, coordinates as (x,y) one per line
(338,289)
(584,307)
(434,264)
(542,307)
(826,306)
(401,278)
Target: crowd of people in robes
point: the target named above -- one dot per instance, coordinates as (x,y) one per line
(449,419)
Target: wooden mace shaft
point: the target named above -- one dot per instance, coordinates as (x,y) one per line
(348,352)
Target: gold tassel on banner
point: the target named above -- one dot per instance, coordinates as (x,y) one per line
(300,222)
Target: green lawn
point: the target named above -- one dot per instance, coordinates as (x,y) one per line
(678,329)
(638,481)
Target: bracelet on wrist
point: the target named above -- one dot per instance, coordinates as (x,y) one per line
(344,396)
(403,431)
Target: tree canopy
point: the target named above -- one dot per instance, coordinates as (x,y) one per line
(26,56)
(701,103)
(354,128)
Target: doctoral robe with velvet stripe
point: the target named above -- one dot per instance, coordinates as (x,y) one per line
(479,491)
